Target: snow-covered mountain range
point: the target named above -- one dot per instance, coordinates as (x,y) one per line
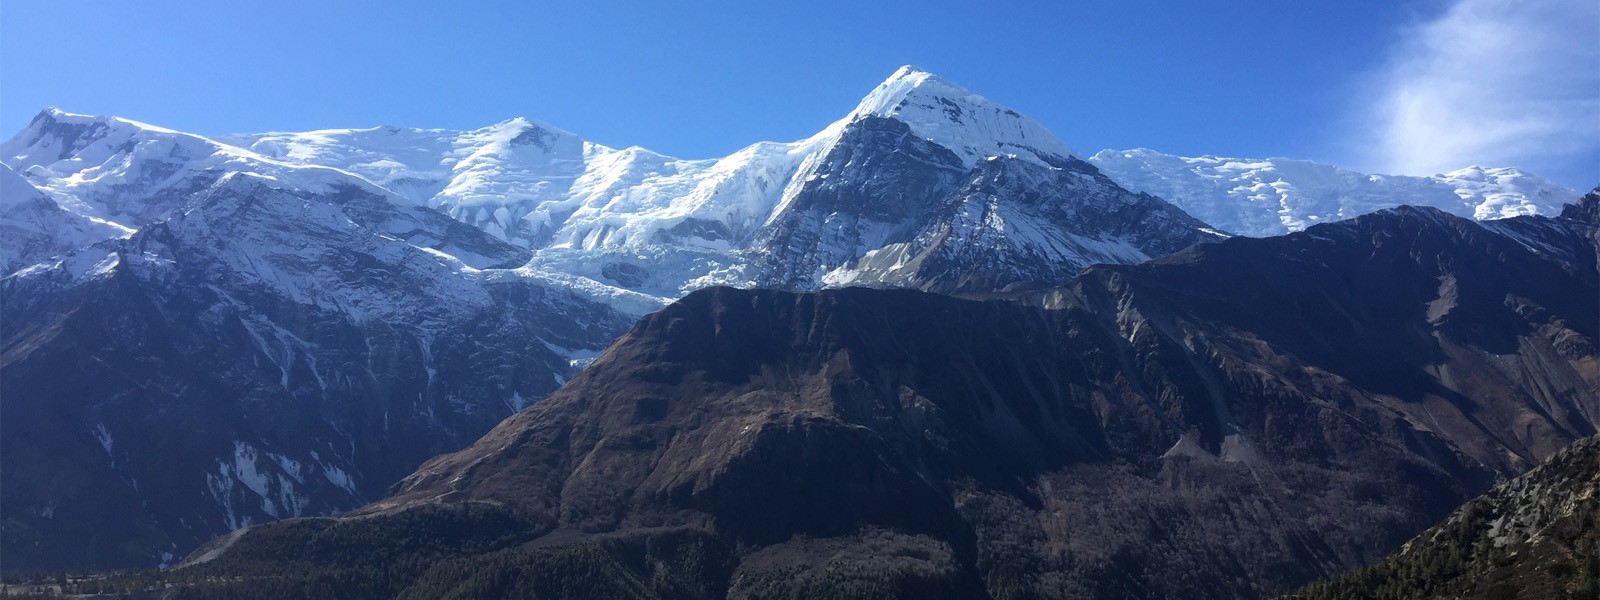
(281,341)
(643,228)
(634,225)
(638,220)
(1273,196)
(272,325)
(269,326)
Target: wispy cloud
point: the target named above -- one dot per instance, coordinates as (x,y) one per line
(1495,83)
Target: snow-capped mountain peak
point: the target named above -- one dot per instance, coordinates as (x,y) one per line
(970,125)
(130,173)
(52,115)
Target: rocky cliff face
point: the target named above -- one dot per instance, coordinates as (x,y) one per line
(1014,224)
(1231,421)
(883,208)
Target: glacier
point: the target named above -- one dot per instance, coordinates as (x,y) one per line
(1273,196)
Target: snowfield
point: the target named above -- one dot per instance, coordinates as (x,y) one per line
(1274,196)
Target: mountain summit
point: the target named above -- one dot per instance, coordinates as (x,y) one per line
(972,126)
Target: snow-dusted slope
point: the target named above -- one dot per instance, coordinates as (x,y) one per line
(34,228)
(414,163)
(1015,223)
(521,180)
(574,201)
(1263,197)
(261,351)
(128,175)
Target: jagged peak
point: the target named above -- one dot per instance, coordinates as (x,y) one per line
(516,126)
(522,131)
(971,125)
(904,82)
(1586,209)
(910,70)
(1429,216)
(54,134)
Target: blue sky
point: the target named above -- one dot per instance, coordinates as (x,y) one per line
(1414,86)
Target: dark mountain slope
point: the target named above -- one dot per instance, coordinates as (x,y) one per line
(1434,316)
(1232,421)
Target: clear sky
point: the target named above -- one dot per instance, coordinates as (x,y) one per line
(1412,86)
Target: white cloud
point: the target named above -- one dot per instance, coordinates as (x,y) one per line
(1494,83)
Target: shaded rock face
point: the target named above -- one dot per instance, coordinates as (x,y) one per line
(861,195)
(883,208)
(264,353)
(1013,224)
(1232,421)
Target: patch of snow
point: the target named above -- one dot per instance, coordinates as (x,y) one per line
(245,472)
(576,357)
(516,402)
(1186,446)
(103,436)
